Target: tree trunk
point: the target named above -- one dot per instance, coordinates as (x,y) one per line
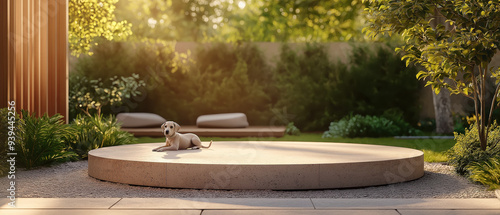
(442,103)
(442,112)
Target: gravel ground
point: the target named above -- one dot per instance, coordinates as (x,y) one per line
(71,180)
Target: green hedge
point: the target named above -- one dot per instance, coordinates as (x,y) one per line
(304,87)
(317,91)
(387,125)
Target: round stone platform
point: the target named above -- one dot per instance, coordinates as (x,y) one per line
(258,165)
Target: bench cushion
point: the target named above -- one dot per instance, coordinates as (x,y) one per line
(223,120)
(140,120)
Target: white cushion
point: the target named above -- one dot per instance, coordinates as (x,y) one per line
(223,120)
(140,120)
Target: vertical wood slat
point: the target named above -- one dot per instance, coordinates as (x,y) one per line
(44,21)
(18,54)
(4,50)
(34,55)
(25,83)
(62,57)
(51,54)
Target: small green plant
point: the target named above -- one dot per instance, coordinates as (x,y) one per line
(291,129)
(367,126)
(92,132)
(486,172)
(42,140)
(467,149)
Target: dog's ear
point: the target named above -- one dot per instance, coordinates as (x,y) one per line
(176,127)
(163,127)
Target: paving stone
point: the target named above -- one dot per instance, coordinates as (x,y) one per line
(59,203)
(218,203)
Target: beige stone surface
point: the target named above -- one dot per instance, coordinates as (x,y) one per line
(213,204)
(449,212)
(59,203)
(416,204)
(258,165)
(300,212)
(100,212)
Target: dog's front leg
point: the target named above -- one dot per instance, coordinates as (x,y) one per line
(173,147)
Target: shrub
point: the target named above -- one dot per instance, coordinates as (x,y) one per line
(291,129)
(88,95)
(317,91)
(367,126)
(42,140)
(154,61)
(93,132)
(467,149)
(486,172)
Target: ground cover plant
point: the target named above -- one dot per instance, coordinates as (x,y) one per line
(486,172)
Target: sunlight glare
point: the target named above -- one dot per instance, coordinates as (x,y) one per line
(241,4)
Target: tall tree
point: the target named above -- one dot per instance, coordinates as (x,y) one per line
(461,54)
(89,19)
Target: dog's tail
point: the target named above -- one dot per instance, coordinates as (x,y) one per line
(206,147)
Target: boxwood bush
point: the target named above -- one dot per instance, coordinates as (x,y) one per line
(467,150)
(369,126)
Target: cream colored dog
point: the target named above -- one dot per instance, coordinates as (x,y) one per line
(177,141)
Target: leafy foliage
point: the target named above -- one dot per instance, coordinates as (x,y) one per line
(486,172)
(225,78)
(295,21)
(42,140)
(368,126)
(90,19)
(243,20)
(187,20)
(467,151)
(291,129)
(93,132)
(234,79)
(316,91)
(455,52)
(87,94)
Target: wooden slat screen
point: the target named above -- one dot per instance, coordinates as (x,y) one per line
(34,55)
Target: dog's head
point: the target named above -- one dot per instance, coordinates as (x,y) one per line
(170,128)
